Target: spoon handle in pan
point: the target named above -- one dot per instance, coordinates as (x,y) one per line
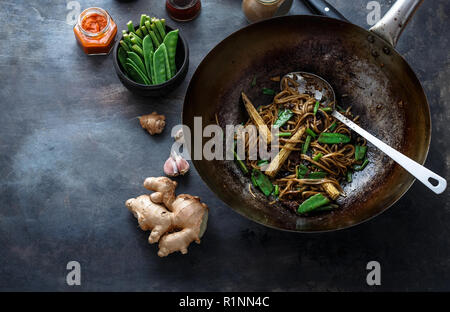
(321,7)
(418,171)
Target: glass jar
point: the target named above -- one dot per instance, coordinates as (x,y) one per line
(257,10)
(95,31)
(183,10)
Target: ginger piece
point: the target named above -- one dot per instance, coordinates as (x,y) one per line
(282,155)
(175,222)
(153,123)
(257,119)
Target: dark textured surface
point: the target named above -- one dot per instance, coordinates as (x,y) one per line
(72,152)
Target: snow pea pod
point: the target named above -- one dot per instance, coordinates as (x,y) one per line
(312,203)
(333,138)
(360,152)
(136,74)
(166,61)
(155,40)
(159,64)
(148,50)
(137,61)
(171,41)
(263,182)
(283,117)
(122,56)
(160,28)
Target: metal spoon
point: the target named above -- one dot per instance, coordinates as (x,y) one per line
(319,87)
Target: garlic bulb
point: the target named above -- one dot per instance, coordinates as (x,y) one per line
(175,165)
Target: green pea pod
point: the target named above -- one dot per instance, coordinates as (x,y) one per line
(241,164)
(360,152)
(138,50)
(144,30)
(155,40)
(166,61)
(148,26)
(143,18)
(137,61)
(136,74)
(160,29)
(263,182)
(139,33)
(152,73)
(312,203)
(306,145)
(171,41)
(124,46)
(333,138)
(130,26)
(157,34)
(159,64)
(283,117)
(147,48)
(122,57)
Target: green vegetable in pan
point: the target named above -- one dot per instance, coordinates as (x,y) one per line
(311,133)
(333,138)
(241,164)
(263,182)
(306,145)
(316,107)
(268,91)
(312,203)
(283,117)
(362,166)
(360,152)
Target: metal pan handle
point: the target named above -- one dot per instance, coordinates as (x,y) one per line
(391,26)
(321,7)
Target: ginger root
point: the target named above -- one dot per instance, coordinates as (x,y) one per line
(175,222)
(153,123)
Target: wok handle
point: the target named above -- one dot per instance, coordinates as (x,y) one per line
(391,25)
(418,171)
(321,7)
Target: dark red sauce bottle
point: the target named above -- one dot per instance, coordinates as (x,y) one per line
(183,10)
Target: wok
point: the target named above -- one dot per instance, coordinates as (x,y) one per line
(366,73)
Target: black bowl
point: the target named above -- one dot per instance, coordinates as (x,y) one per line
(181,61)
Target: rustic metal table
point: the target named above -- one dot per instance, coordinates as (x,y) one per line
(72,151)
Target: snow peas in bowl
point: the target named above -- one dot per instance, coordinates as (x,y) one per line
(151,59)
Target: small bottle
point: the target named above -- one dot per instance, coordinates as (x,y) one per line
(95,31)
(183,10)
(257,10)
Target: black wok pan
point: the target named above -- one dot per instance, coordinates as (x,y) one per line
(365,71)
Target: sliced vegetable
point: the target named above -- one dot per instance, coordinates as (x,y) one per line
(302,170)
(362,166)
(268,91)
(306,144)
(283,117)
(327,109)
(360,152)
(284,134)
(252,178)
(312,203)
(262,162)
(171,41)
(340,108)
(333,126)
(241,164)
(317,156)
(276,190)
(316,107)
(263,182)
(303,173)
(349,176)
(333,138)
(311,133)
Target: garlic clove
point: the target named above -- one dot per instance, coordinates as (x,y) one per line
(170,167)
(175,165)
